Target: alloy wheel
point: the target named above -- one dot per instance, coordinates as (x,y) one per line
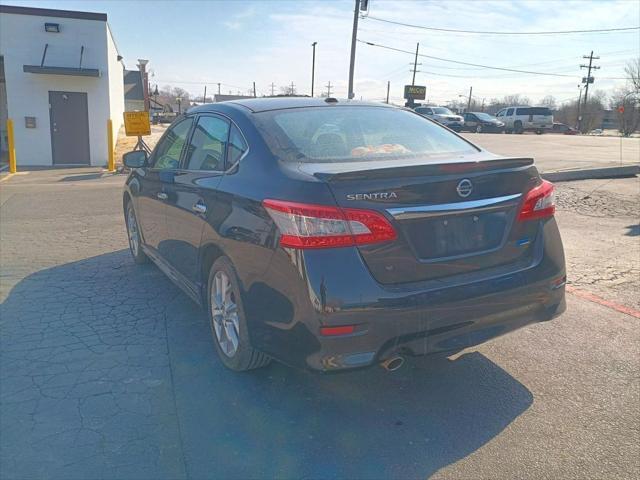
(132,228)
(224,314)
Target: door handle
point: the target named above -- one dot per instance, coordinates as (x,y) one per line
(162,195)
(199,207)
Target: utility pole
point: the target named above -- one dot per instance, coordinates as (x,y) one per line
(218,88)
(388,87)
(254,89)
(415,65)
(329,89)
(204,97)
(313,66)
(469,102)
(482,107)
(588,79)
(354,34)
(273,86)
(579,103)
(293,89)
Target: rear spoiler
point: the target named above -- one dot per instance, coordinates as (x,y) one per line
(449,168)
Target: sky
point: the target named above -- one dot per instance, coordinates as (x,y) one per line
(193,43)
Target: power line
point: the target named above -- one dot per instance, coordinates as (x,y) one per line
(481,32)
(529,72)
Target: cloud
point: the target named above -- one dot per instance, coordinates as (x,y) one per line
(231,25)
(238,20)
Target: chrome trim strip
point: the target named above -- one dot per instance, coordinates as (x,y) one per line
(457,207)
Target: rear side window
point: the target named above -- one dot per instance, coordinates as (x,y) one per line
(237,146)
(208,144)
(339,134)
(509,112)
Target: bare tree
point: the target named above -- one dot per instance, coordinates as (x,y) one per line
(507,101)
(593,112)
(287,90)
(629,118)
(550,102)
(633,74)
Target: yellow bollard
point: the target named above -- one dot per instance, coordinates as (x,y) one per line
(111,164)
(12,147)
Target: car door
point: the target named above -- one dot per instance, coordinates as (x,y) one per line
(509,117)
(164,161)
(470,121)
(192,194)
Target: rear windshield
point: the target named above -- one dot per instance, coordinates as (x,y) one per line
(442,111)
(355,133)
(533,111)
(484,116)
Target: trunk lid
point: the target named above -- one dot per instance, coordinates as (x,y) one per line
(452,217)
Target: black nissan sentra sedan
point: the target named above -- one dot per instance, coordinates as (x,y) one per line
(332,235)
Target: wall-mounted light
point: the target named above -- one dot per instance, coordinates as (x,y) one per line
(52,27)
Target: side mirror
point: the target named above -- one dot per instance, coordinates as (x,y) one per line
(135,159)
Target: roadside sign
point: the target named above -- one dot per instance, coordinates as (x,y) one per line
(415,92)
(137,124)
(621,109)
(587,79)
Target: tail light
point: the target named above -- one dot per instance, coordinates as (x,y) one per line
(320,226)
(540,202)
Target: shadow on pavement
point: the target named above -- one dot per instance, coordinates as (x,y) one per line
(633,230)
(87,176)
(109,371)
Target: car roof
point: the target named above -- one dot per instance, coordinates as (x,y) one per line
(282,103)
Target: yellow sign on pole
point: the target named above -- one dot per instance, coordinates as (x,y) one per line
(137,124)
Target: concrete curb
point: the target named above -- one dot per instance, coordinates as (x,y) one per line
(591,173)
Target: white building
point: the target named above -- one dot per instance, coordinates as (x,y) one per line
(61,79)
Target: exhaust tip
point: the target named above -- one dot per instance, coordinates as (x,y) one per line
(392,364)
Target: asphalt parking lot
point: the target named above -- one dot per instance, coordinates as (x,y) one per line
(108,370)
(557,153)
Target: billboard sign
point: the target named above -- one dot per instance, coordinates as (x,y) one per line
(415,92)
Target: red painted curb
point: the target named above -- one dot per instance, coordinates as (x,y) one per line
(601,301)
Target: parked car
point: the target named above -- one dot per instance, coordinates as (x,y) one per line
(523,119)
(332,235)
(481,122)
(563,128)
(442,115)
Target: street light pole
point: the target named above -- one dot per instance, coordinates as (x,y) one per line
(313,66)
(354,33)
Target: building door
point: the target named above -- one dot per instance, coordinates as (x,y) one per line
(69,117)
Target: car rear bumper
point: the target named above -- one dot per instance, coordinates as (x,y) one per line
(318,288)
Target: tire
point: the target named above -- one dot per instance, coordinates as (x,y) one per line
(479,129)
(517,127)
(133,235)
(538,132)
(227,319)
